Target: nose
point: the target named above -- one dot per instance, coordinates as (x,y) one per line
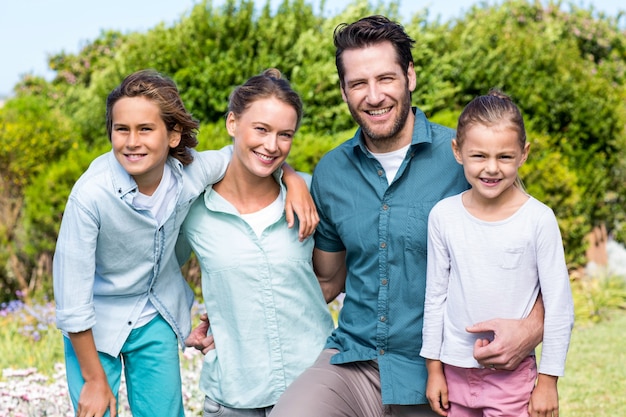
(492,166)
(271,143)
(374,94)
(132,140)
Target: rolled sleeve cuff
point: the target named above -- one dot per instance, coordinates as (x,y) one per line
(76,319)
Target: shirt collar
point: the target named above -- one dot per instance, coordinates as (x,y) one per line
(124,183)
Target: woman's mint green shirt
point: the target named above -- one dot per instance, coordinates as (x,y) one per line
(267,312)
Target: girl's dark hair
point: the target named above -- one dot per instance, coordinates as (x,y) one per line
(369,31)
(163,92)
(270,83)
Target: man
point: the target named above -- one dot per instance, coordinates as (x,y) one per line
(374,193)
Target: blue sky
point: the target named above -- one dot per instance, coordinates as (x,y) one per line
(31,30)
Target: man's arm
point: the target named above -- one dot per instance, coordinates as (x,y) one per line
(330,268)
(513,340)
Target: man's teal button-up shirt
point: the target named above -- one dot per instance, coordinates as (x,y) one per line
(383,229)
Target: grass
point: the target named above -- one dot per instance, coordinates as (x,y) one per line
(595,374)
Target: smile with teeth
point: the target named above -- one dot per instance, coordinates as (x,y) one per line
(265,157)
(490,181)
(379,112)
(135,156)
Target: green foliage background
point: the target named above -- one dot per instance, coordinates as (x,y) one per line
(565,66)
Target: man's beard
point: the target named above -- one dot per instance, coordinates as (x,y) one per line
(386,138)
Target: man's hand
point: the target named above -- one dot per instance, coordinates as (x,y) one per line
(198,337)
(513,341)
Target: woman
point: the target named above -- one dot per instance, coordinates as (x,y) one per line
(268,317)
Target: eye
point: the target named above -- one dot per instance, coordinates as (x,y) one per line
(120,129)
(260,129)
(286,135)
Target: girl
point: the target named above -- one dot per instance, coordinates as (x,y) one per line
(121,300)
(491,250)
(269,319)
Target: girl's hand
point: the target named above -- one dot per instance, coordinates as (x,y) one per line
(544,401)
(437,388)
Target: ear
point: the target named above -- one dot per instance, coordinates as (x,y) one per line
(231,124)
(343,94)
(412,78)
(525,152)
(456,149)
(174,136)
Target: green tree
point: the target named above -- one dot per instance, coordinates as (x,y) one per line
(32,133)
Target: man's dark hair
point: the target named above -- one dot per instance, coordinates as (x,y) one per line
(369,31)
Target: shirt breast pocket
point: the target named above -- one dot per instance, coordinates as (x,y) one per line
(512,257)
(416,237)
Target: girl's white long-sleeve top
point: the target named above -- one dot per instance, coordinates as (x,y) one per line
(480,270)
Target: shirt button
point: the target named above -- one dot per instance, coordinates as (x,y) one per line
(383,318)
(384,281)
(382,351)
(380,172)
(130,323)
(383,245)
(385,207)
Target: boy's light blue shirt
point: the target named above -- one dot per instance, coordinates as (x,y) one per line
(110,258)
(267,312)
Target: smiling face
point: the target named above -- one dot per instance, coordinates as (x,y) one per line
(491,156)
(262,136)
(378,94)
(140,140)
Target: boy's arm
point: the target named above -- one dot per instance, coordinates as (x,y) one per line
(544,400)
(299,202)
(96,395)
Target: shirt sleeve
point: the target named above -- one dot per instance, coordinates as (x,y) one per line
(74,269)
(213,163)
(437,278)
(557,296)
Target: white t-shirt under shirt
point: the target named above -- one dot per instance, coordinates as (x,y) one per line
(259,220)
(480,270)
(391,161)
(157,204)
